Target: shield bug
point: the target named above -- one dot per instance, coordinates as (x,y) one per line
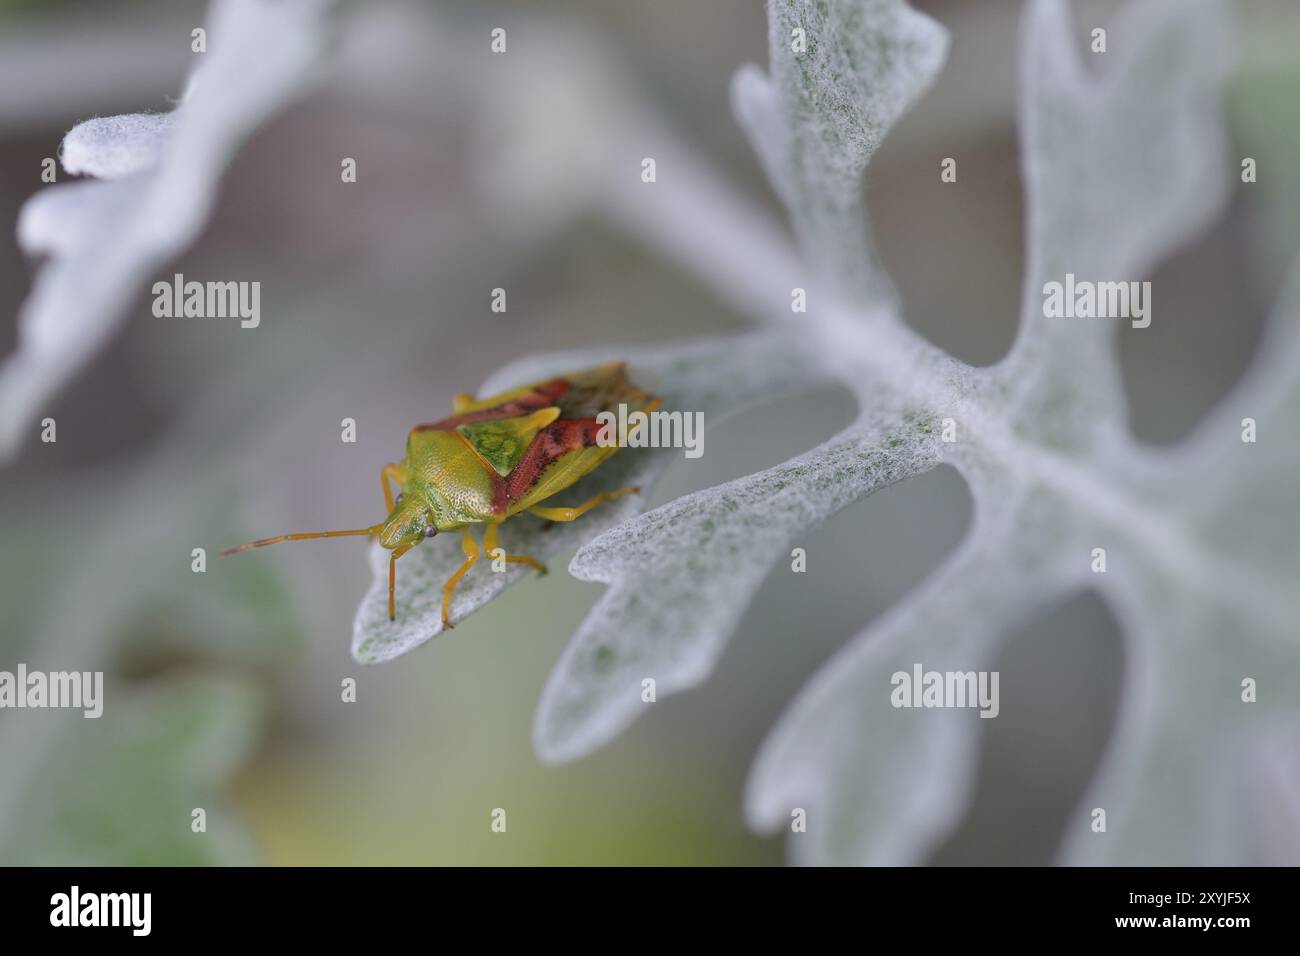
(495,458)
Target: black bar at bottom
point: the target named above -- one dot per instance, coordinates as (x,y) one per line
(334,906)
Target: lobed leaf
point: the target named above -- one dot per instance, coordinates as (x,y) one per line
(842,72)
(1119,171)
(105,239)
(682,575)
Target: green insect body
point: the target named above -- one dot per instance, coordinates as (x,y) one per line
(492,459)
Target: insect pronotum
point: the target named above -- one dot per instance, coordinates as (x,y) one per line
(492,459)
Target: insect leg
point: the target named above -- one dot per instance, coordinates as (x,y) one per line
(470,547)
(490,539)
(398,474)
(570,514)
(392,579)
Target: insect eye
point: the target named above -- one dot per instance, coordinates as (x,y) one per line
(400,497)
(430,529)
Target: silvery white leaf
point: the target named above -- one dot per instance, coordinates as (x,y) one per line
(106,239)
(841,75)
(1200,539)
(111,147)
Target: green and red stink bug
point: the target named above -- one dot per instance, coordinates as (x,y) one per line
(492,459)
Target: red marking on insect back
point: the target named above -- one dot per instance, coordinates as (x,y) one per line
(556,439)
(543,396)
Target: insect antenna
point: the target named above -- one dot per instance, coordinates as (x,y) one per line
(263,542)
